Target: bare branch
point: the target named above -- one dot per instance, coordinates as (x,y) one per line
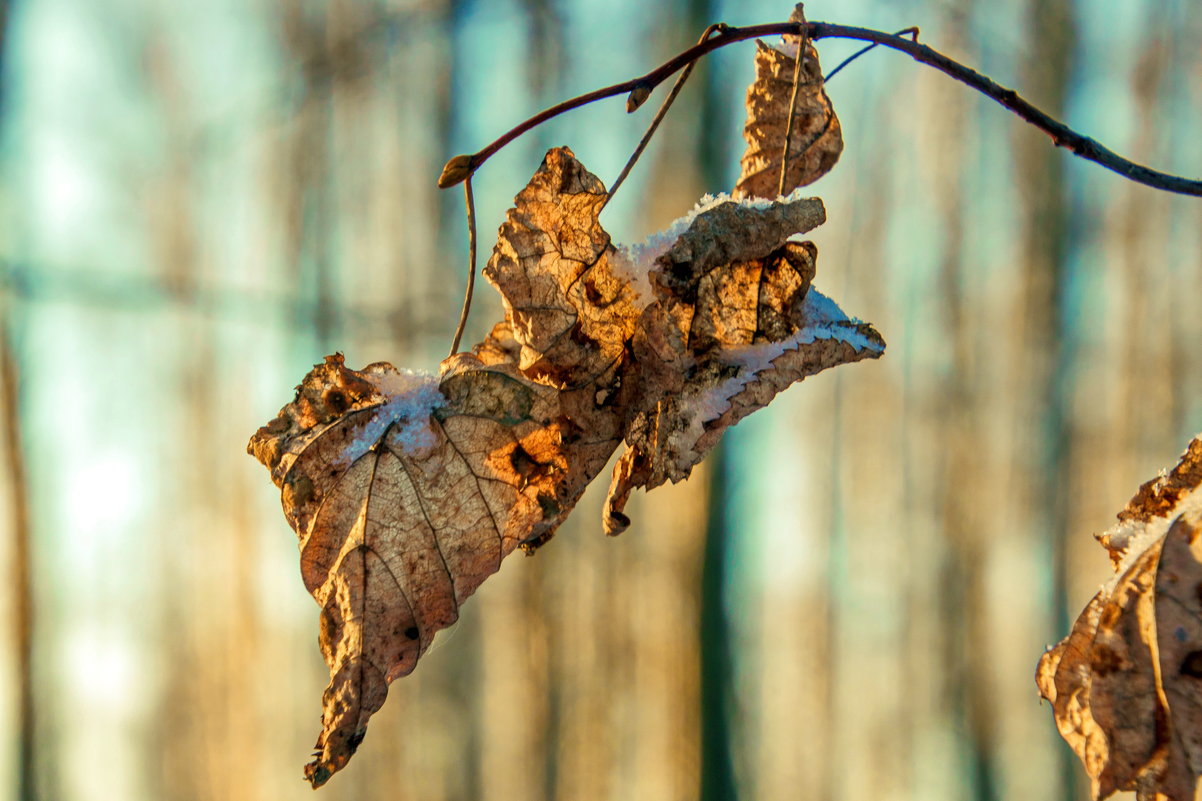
(912,32)
(1062,136)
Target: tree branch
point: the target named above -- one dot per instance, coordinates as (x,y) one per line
(1062,135)
(460,167)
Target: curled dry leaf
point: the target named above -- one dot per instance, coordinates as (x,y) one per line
(735,322)
(406,491)
(1126,684)
(816,140)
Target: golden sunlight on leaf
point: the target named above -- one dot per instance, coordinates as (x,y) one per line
(406,490)
(816,140)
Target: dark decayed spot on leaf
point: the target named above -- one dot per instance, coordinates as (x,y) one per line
(1192,665)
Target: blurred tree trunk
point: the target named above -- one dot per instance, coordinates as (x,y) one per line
(963,549)
(718,781)
(1047,347)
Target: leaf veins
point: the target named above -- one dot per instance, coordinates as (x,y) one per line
(407,491)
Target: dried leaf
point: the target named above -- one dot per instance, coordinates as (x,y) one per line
(1158,496)
(1068,690)
(1126,684)
(1179,642)
(407,491)
(735,305)
(816,140)
(566,308)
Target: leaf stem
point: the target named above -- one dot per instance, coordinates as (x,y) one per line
(802,43)
(470,202)
(659,115)
(911,31)
(461,167)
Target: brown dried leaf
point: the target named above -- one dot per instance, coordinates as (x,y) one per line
(736,315)
(1064,679)
(566,308)
(1159,496)
(1179,638)
(407,491)
(1125,684)
(816,140)
(1122,691)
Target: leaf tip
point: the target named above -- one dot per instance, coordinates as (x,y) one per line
(317,774)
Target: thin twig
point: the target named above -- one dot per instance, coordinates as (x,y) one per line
(470,202)
(912,31)
(461,167)
(802,43)
(659,115)
(1062,135)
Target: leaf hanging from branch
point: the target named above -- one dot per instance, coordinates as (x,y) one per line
(816,139)
(1126,684)
(407,491)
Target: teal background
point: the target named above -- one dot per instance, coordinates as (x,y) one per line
(200,200)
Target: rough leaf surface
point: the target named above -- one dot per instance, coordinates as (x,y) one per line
(1126,684)
(816,140)
(407,491)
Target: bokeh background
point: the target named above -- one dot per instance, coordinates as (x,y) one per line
(200,200)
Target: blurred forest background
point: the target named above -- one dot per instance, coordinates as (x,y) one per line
(200,200)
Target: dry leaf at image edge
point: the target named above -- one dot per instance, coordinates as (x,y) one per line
(1126,683)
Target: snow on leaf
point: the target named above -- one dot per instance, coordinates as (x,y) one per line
(403,504)
(1126,684)
(407,491)
(816,139)
(668,438)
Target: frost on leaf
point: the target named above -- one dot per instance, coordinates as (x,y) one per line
(734,322)
(1126,684)
(816,139)
(407,491)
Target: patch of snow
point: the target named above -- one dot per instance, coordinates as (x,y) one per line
(823,320)
(787,46)
(635,262)
(1140,535)
(411,397)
